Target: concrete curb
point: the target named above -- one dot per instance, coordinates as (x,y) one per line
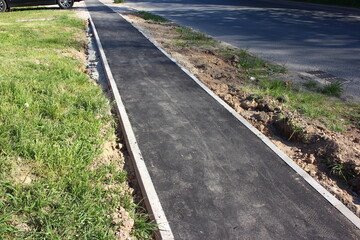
(147,187)
(327,195)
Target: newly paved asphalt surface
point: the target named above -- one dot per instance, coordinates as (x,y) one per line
(301,36)
(214,177)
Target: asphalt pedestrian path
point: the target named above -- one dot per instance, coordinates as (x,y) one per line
(215,178)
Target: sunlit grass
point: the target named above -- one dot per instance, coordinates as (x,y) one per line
(333,112)
(53,124)
(149,16)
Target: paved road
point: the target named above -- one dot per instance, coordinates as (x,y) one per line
(214,177)
(300,36)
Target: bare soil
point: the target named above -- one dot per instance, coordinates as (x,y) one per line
(121,218)
(332,158)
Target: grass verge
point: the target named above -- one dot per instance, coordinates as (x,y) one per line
(332,112)
(150,16)
(54,123)
(188,37)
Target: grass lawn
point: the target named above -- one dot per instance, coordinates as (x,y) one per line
(53,124)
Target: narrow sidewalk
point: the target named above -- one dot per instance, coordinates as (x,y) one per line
(214,177)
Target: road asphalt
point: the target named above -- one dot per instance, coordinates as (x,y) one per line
(214,177)
(303,37)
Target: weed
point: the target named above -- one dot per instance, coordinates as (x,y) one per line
(332,89)
(338,170)
(144,226)
(119,1)
(150,16)
(296,129)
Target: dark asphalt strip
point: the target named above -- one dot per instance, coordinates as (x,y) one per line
(215,179)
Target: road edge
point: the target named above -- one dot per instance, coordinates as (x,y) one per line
(147,187)
(321,7)
(312,182)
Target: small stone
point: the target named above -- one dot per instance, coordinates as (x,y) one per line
(306,168)
(227,97)
(261,128)
(238,109)
(26,105)
(251,97)
(252,78)
(311,159)
(119,146)
(312,173)
(269,108)
(277,109)
(321,176)
(201,66)
(248,104)
(222,88)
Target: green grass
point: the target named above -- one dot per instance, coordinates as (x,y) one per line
(189,37)
(331,111)
(50,131)
(150,16)
(255,66)
(119,1)
(346,3)
(332,89)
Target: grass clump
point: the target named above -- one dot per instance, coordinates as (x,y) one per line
(119,1)
(149,16)
(53,124)
(253,65)
(189,37)
(332,89)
